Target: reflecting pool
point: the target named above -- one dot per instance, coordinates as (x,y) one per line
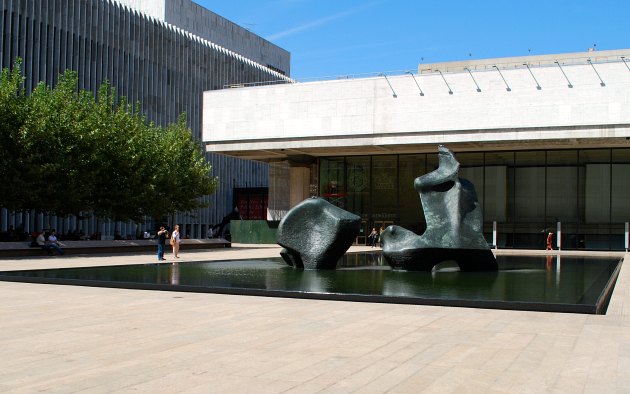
(547,283)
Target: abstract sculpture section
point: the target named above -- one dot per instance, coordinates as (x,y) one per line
(315,234)
(454,225)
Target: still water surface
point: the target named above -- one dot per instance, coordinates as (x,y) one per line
(534,280)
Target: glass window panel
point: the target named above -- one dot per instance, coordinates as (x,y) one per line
(529,199)
(620,187)
(594,156)
(621,156)
(358,185)
(620,192)
(499,195)
(562,157)
(471,168)
(529,206)
(562,195)
(384,189)
(562,187)
(529,178)
(411,215)
(595,175)
(332,180)
(499,158)
(597,186)
(495,194)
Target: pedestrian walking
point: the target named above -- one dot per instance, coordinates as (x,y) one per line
(550,241)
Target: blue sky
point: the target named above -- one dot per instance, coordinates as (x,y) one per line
(343,37)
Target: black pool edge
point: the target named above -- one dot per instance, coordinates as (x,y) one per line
(601,305)
(484,304)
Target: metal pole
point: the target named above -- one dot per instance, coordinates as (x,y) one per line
(473,78)
(623,59)
(507,87)
(390,85)
(417,84)
(565,75)
(494,234)
(447,85)
(535,80)
(559,235)
(601,81)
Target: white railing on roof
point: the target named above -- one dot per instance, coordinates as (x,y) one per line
(259,83)
(458,68)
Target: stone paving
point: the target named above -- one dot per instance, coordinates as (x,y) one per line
(68,339)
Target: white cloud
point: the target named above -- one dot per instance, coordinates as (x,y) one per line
(318,22)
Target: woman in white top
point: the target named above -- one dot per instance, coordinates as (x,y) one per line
(175,240)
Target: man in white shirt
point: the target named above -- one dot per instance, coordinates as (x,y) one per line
(41,242)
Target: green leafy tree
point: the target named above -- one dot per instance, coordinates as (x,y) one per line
(58,148)
(182,175)
(73,152)
(121,165)
(12,117)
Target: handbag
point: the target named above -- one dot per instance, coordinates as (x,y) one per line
(172,242)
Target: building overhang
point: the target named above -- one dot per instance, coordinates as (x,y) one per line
(585,105)
(487,140)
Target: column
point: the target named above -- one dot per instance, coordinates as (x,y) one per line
(300,183)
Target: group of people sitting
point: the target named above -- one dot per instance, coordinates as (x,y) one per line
(49,242)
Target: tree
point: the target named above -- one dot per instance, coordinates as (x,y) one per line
(58,148)
(70,152)
(187,174)
(12,117)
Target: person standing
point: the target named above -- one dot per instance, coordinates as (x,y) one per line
(550,241)
(161,238)
(175,240)
(372,238)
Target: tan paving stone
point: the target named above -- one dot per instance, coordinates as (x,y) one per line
(573,384)
(96,340)
(522,382)
(501,360)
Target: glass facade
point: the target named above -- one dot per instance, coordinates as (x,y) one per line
(527,193)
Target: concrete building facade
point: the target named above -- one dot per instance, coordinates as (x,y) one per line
(545,139)
(150,59)
(204,23)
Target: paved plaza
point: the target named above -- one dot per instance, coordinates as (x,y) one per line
(67,339)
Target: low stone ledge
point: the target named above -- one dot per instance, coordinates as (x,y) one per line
(16,249)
